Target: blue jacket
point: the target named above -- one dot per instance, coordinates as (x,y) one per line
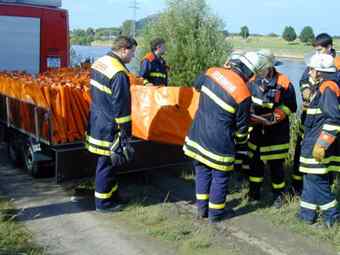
(322,122)
(154,70)
(110,110)
(221,119)
(268,96)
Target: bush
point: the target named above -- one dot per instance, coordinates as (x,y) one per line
(289,34)
(194,39)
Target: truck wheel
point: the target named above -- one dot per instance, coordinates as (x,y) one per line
(31,164)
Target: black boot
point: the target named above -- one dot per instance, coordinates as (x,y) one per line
(296,188)
(279,200)
(228,213)
(254,195)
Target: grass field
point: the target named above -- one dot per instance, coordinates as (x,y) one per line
(169,223)
(14,238)
(279,46)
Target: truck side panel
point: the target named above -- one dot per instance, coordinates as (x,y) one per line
(54,38)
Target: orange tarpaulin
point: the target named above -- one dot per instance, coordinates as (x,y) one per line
(162,114)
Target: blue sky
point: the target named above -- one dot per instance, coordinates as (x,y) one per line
(261,16)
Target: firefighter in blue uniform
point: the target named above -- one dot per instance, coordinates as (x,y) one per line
(320,145)
(153,67)
(323,43)
(110,118)
(273,100)
(221,119)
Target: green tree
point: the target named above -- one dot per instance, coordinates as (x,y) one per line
(90,32)
(244,32)
(127,27)
(194,39)
(307,35)
(289,34)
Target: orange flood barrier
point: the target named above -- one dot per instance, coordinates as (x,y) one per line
(161,114)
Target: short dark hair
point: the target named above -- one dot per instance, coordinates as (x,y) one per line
(323,40)
(124,42)
(156,42)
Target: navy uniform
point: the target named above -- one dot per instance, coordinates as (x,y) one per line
(221,119)
(110,120)
(305,84)
(321,127)
(270,143)
(154,70)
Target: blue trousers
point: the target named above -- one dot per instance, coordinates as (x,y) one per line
(317,194)
(106,183)
(211,189)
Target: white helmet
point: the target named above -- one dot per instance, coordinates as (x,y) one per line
(322,62)
(270,55)
(251,59)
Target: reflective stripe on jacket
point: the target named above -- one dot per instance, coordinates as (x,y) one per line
(322,115)
(221,119)
(154,70)
(272,142)
(110,110)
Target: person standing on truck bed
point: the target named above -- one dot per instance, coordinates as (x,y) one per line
(109,124)
(153,67)
(220,123)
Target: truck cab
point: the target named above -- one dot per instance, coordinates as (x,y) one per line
(34,35)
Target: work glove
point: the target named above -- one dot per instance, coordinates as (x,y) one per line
(264,119)
(306,94)
(319,152)
(122,152)
(322,144)
(279,115)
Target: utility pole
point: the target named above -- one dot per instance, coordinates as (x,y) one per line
(134,6)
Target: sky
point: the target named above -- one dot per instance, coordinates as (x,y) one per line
(261,16)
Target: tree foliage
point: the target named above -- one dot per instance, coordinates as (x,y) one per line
(87,36)
(244,32)
(289,34)
(194,39)
(127,27)
(307,35)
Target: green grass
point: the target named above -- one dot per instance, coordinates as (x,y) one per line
(172,224)
(167,222)
(14,238)
(285,217)
(279,46)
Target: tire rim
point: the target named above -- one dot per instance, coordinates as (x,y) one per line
(29,159)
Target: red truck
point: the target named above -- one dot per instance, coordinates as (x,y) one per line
(35,38)
(34,35)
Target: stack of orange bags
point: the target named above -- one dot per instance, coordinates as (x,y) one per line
(65,92)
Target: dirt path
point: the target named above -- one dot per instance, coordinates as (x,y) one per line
(65,227)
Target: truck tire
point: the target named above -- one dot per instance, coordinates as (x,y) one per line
(31,164)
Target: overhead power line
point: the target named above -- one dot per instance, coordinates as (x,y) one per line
(134,6)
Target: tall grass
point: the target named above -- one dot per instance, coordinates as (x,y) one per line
(14,238)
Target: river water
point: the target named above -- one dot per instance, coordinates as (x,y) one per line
(293,68)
